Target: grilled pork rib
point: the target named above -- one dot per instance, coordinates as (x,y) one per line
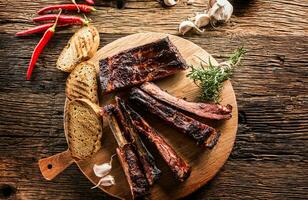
(129,161)
(202,133)
(178,166)
(151,171)
(140,64)
(205,110)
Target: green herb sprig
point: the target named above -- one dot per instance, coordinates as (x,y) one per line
(210,78)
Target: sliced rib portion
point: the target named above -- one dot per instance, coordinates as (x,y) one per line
(145,157)
(126,153)
(178,166)
(140,64)
(205,110)
(202,133)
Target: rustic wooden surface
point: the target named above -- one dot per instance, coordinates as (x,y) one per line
(270,157)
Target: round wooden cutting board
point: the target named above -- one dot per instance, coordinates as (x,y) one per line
(205,163)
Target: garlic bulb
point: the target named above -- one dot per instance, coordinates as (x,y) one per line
(169,2)
(105,181)
(186,26)
(202,20)
(221,11)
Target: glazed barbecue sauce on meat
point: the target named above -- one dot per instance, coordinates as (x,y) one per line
(140,64)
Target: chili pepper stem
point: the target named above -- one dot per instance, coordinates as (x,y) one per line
(53,28)
(86,20)
(74,2)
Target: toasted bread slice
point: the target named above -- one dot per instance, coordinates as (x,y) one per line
(83,129)
(82,83)
(82,46)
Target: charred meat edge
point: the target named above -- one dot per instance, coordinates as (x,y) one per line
(178,166)
(145,157)
(129,161)
(134,66)
(205,110)
(205,135)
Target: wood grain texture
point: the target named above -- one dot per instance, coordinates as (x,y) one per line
(270,156)
(272,85)
(52,166)
(264,17)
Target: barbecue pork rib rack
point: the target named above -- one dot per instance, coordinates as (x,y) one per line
(204,135)
(127,155)
(204,110)
(178,166)
(146,159)
(140,64)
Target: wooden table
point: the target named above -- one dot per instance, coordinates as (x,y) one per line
(270,157)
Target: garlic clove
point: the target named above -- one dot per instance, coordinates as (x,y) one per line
(221,10)
(106,181)
(169,2)
(102,170)
(202,20)
(186,26)
(228,11)
(215,12)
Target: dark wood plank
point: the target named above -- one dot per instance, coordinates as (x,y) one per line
(270,56)
(257,180)
(270,153)
(266,17)
(270,157)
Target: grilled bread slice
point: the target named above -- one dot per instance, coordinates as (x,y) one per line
(82,46)
(83,129)
(82,83)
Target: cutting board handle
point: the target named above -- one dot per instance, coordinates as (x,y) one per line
(52,166)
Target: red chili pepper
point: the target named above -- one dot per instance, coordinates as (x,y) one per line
(39,29)
(62,19)
(40,46)
(83,7)
(36,29)
(91,2)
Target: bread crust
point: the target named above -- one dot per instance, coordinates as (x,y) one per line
(82,83)
(82,46)
(83,129)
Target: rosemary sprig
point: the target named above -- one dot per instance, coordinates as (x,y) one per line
(210,78)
